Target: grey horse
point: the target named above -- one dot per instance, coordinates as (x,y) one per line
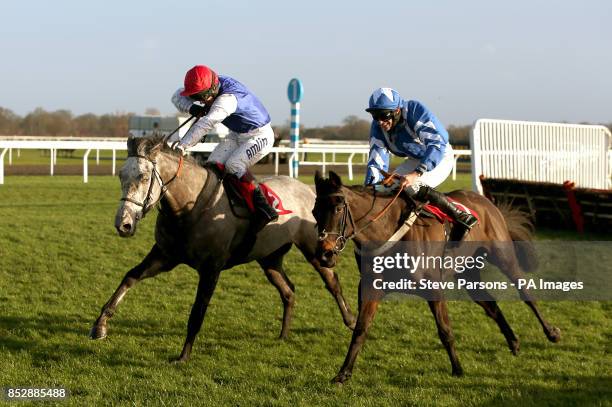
(196,226)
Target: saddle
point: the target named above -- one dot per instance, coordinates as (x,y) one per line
(435,212)
(241,199)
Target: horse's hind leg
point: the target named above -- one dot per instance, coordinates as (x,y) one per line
(154,263)
(273,267)
(445,332)
(206,288)
(508,264)
(483,298)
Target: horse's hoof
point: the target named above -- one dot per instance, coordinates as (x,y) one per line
(514,347)
(98,332)
(341,378)
(554,335)
(457,371)
(178,360)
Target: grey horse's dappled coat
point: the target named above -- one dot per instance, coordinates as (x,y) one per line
(196,226)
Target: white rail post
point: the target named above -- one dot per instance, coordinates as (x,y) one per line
(10,152)
(323,162)
(51,156)
(350,166)
(290,162)
(276,163)
(114,160)
(2,165)
(85,156)
(97,156)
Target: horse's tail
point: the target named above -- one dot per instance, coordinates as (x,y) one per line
(521,230)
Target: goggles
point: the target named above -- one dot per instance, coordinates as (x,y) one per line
(382,115)
(205,94)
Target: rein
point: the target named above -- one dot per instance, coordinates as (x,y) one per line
(146,205)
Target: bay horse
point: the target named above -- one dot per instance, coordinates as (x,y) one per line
(196,226)
(363,215)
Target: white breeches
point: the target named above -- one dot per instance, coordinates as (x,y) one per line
(239,151)
(434,177)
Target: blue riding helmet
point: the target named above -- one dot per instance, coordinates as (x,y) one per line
(384,99)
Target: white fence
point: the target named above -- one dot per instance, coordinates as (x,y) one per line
(7,146)
(541,152)
(327,153)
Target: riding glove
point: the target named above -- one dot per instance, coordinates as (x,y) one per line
(197,110)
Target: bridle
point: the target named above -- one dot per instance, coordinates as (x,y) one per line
(146,205)
(342,238)
(347,217)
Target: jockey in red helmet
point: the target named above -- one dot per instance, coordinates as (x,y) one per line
(221,99)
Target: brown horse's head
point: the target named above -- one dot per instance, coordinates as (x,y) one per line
(141,185)
(334,220)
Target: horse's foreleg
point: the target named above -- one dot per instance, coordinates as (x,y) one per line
(332,283)
(273,268)
(445,332)
(487,302)
(206,288)
(367,310)
(154,263)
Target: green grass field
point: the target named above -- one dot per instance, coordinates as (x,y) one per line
(60,260)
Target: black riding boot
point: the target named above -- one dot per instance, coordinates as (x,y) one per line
(465,220)
(265,212)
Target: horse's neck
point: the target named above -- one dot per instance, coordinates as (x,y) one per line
(365,207)
(183,191)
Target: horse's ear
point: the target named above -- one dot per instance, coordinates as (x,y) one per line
(131,145)
(335,179)
(318,178)
(155,148)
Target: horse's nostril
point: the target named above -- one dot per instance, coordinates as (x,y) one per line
(126,227)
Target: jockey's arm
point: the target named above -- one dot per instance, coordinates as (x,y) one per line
(378,158)
(223,106)
(431,133)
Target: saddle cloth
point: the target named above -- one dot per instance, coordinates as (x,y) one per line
(246,195)
(442,217)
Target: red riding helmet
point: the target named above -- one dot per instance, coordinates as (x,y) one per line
(198,79)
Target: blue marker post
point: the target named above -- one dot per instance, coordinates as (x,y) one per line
(295,91)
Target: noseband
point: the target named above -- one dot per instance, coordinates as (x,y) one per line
(146,205)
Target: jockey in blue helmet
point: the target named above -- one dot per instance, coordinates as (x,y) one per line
(408,129)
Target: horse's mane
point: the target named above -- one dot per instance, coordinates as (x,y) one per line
(370,190)
(145,145)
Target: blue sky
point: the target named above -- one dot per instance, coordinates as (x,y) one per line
(529,60)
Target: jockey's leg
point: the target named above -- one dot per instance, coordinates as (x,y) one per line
(263,209)
(463,219)
(424,191)
(253,146)
(223,151)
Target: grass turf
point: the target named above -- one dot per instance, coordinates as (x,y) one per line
(60,260)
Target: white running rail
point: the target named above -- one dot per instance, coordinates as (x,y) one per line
(541,152)
(322,151)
